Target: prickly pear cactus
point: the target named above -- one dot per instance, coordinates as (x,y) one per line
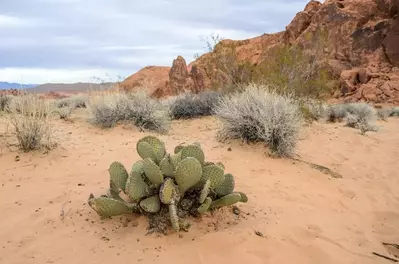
(167,188)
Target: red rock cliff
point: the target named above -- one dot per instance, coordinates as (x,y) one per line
(362,50)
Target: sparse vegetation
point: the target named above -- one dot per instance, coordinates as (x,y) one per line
(189,105)
(65,111)
(394,111)
(383,114)
(313,110)
(258,114)
(77,101)
(29,117)
(356,115)
(107,109)
(5,101)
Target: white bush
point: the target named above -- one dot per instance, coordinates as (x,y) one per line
(258,114)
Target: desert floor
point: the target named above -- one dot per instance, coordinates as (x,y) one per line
(305,216)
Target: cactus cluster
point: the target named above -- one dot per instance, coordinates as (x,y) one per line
(171,186)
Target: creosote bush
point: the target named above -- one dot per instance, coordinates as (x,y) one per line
(261,115)
(107,109)
(189,105)
(167,187)
(29,117)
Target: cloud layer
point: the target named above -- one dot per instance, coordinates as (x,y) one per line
(75,40)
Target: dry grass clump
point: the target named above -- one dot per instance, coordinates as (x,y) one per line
(260,115)
(29,119)
(77,101)
(107,109)
(191,105)
(5,101)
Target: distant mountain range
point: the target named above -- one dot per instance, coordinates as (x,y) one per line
(57,87)
(7,85)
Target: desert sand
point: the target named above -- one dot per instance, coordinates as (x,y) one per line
(305,216)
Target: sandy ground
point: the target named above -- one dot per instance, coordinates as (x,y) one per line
(304,215)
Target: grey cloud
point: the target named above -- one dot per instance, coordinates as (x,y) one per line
(126,35)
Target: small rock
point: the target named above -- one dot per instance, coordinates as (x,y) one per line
(236,210)
(180,236)
(229,149)
(81,184)
(17,158)
(18,186)
(105,238)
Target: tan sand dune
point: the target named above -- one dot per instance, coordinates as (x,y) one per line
(304,215)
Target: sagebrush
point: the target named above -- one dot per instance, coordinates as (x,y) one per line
(138,108)
(260,114)
(189,105)
(167,188)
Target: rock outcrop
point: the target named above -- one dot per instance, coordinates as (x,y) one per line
(360,48)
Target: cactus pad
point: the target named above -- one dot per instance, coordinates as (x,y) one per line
(205,205)
(188,173)
(205,191)
(138,167)
(207,163)
(136,187)
(167,191)
(118,176)
(145,150)
(220,165)
(214,173)
(175,159)
(227,186)
(174,218)
(193,151)
(227,200)
(106,207)
(178,148)
(151,204)
(244,197)
(157,146)
(152,172)
(167,167)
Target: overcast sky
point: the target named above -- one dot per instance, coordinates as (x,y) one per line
(76,40)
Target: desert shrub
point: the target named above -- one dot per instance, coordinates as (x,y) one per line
(167,187)
(383,113)
(65,111)
(336,112)
(361,116)
(259,114)
(313,110)
(107,109)
(77,101)
(5,101)
(394,111)
(29,117)
(194,105)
